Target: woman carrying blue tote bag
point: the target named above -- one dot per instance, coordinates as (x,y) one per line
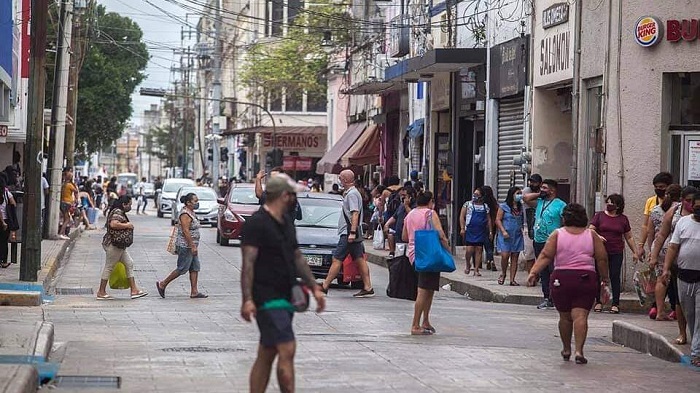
(431,256)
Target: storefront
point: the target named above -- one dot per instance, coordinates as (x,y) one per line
(507,86)
(553,66)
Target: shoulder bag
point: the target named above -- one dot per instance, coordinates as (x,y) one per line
(120,238)
(430,255)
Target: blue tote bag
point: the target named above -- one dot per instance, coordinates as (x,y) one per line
(430,256)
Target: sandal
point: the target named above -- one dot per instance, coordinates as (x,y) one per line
(514,284)
(161,291)
(139,294)
(680,341)
(565,356)
(598,307)
(614,310)
(477,274)
(501,280)
(199,295)
(581,360)
(430,329)
(421,332)
(695,361)
(105,297)
(5,265)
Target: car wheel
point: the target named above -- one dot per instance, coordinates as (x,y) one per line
(357,285)
(160,214)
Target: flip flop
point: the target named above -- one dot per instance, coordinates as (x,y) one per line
(200,295)
(680,341)
(430,329)
(105,297)
(598,308)
(501,280)
(514,284)
(161,291)
(138,295)
(477,274)
(614,310)
(5,265)
(423,332)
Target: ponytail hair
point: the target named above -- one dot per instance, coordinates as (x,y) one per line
(187,197)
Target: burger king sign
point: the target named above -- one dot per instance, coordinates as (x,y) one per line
(648,31)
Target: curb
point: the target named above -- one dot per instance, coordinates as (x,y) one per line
(57,262)
(42,341)
(645,341)
(18,378)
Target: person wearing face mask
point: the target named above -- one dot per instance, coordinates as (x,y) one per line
(684,251)
(661,181)
(614,229)
(510,242)
(119,236)
(548,218)
(668,228)
(186,243)
(476,227)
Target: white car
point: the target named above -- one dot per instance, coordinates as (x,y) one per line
(208,211)
(169,192)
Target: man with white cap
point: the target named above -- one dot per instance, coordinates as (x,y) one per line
(271,264)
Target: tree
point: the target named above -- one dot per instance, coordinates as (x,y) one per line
(295,63)
(113,67)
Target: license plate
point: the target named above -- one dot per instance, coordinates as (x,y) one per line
(314,260)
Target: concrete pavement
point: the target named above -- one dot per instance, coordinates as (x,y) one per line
(180,344)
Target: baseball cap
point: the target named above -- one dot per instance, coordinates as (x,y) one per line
(282,183)
(536,178)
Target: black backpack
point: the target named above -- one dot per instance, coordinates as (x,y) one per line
(393,202)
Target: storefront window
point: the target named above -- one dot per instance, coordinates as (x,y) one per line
(686,98)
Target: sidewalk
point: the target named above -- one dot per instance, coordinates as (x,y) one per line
(633,329)
(25,338)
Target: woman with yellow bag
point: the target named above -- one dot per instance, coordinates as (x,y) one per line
(119,236)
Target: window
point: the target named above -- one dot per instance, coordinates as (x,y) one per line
(4,103)
(294,101)
(276,18)
(316,101)
(293,9)
(275,102)
(685,88)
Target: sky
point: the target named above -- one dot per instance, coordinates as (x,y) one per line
(161,33)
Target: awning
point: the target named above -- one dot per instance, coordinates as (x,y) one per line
(308,130)
(434,61)
(365,151)
(329,160)
(416,128)
(374,87)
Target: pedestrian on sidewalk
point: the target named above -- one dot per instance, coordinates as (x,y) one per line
(490,201)
(85,201)
(614,230)
(476,227)
(395,224)
(418,219)
(271,264)
(577,253)
(661,182)
(658,251)
(548,218)
(69,196)
(533,186)
(6,199)
(350,236)
(186,244)
(668,228)
(119,236)
(684,250)
(141,200)
(510,221)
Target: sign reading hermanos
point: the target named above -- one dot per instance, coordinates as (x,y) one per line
(554,43)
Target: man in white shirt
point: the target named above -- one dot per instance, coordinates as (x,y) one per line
(140,191)
(44,196)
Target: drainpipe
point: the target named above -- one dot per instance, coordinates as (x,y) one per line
(575,96)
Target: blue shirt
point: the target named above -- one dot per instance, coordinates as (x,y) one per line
(547,218)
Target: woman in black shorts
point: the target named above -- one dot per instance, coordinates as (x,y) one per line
(576,252)
(418,219)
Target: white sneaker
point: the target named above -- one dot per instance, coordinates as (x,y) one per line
(63,237)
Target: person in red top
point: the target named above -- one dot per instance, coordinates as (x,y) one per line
(614,229)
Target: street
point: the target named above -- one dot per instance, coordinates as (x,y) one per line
(178,344)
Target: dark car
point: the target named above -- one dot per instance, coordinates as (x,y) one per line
(239,203)
(317,231)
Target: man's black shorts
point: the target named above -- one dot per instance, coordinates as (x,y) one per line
(355,249)
(275,327)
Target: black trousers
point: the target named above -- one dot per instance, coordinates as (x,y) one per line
(4,246)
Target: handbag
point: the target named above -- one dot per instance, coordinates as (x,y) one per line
(351,272)
(378,238)
(403,279)
(171,248)
(118,279)
(120,238)
(430,256)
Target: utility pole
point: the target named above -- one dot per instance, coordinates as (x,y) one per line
(58,112)
(30,262)
(216,96)
(76,62)
(575,107)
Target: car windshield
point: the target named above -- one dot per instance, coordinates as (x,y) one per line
(124,179)
(174,186)
(243,196)
(319,213)
(204,194)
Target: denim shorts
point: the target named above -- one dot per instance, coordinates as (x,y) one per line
(186,262)
(275,327)
(355,249)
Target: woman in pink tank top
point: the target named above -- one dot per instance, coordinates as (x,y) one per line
(575,252)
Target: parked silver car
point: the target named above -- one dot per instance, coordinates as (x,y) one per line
(166,197)
(208,206)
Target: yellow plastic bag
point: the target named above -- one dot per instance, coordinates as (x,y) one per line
(118,279)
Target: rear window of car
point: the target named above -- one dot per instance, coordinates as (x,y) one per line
(243,196)
(202,193)
(174,186)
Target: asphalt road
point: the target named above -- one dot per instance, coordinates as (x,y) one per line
(179,344)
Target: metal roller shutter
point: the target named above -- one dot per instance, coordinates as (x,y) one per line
(510,141)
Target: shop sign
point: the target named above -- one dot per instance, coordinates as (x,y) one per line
(440,92)
(686,30)
(3,130)
(509,62)
(648,31)
(292,163)
(309,144)
(555,15)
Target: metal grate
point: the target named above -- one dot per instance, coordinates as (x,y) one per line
(202,350)
(87,382)
(145,270)
(600,341)
(74,291)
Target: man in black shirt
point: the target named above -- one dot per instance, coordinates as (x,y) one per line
(271,264)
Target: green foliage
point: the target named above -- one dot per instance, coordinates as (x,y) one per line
(296,62)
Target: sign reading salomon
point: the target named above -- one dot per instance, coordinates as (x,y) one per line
(648,31)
